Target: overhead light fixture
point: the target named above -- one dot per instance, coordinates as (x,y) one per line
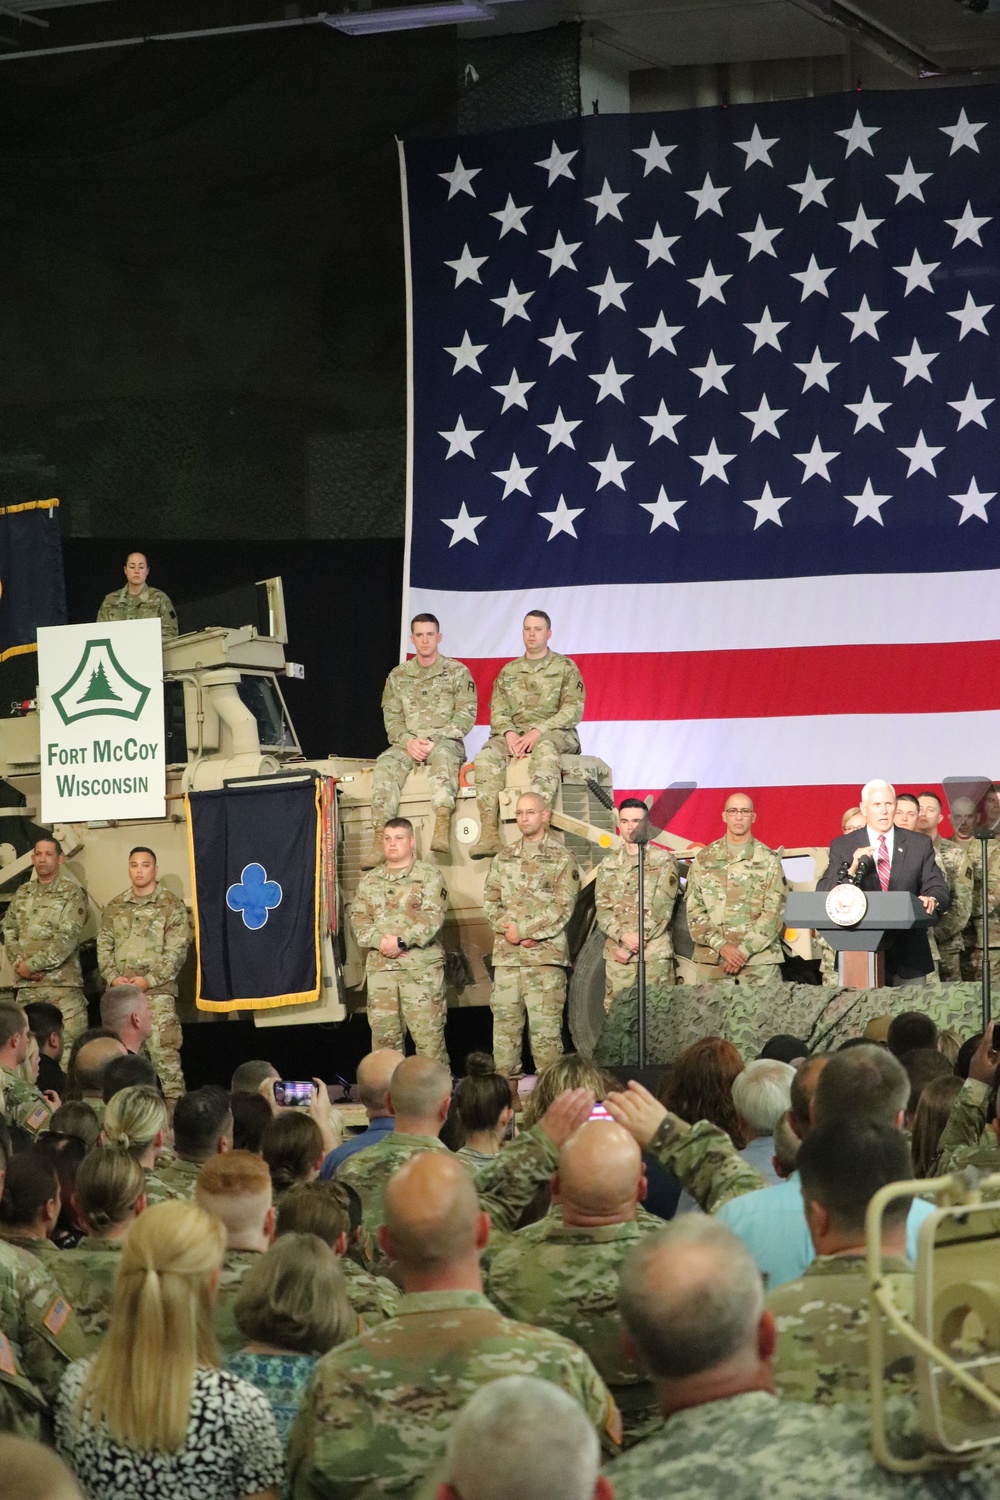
(408,17)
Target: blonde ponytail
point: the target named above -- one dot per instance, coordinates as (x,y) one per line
(141,1380)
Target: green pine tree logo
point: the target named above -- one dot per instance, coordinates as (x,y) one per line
(100,685)
(100,688)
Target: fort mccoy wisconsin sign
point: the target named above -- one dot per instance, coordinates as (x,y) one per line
(100,706)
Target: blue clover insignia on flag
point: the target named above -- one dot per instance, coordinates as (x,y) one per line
(254,896)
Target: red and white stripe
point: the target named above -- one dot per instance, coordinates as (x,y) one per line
(795,690)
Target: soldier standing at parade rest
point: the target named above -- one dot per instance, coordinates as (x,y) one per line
(137,601)
(397,914)
(617,893)
(536,705)
(143,940)
(429,706)
(41,932)
(736,902)
(529,897)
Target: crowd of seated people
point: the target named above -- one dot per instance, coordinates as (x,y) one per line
(613,1290)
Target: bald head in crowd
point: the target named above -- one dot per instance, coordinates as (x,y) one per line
(433,1225)
(600,1178)
(525,1437)
(91,1062)
(374,1077)
(419,1096)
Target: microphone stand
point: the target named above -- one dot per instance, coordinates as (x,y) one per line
(641,839)
(985,835)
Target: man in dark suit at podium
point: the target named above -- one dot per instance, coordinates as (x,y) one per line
(895,859)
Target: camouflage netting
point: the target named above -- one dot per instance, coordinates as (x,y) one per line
(823,1017)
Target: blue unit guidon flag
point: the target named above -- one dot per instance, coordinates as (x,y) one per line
(719,390)
(255,886)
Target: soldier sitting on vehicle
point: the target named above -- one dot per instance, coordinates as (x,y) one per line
(429,706)
(536,705)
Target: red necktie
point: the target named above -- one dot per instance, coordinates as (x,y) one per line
(883,863)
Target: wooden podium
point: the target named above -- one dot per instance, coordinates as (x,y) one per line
(861,963)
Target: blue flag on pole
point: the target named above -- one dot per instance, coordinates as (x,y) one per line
(255,869)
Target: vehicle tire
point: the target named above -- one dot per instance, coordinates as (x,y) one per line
(586,995)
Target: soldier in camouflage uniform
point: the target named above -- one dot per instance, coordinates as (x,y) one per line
(617,894)
(736,902)
(420,1095)
(822,1316)
(41,933)
(692,1302)
(137,601)
(143,940)
(397,914)
(235,1186)
(87,1276)
(536,705)
(565,1276)
(39,1337)
(376,1414)
(374,1298)
(972,963)
(821,1355)
(529,897)
(23,1103)
(429,706)
(110,1194)
(971,1138)
(235,1265)
(954,860)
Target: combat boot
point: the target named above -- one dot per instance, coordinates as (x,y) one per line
(441,837)
(488,843)
(376,853)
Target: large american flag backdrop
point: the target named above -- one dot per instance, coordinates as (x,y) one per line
(719,391)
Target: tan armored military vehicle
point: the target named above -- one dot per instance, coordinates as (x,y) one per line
(226,719)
